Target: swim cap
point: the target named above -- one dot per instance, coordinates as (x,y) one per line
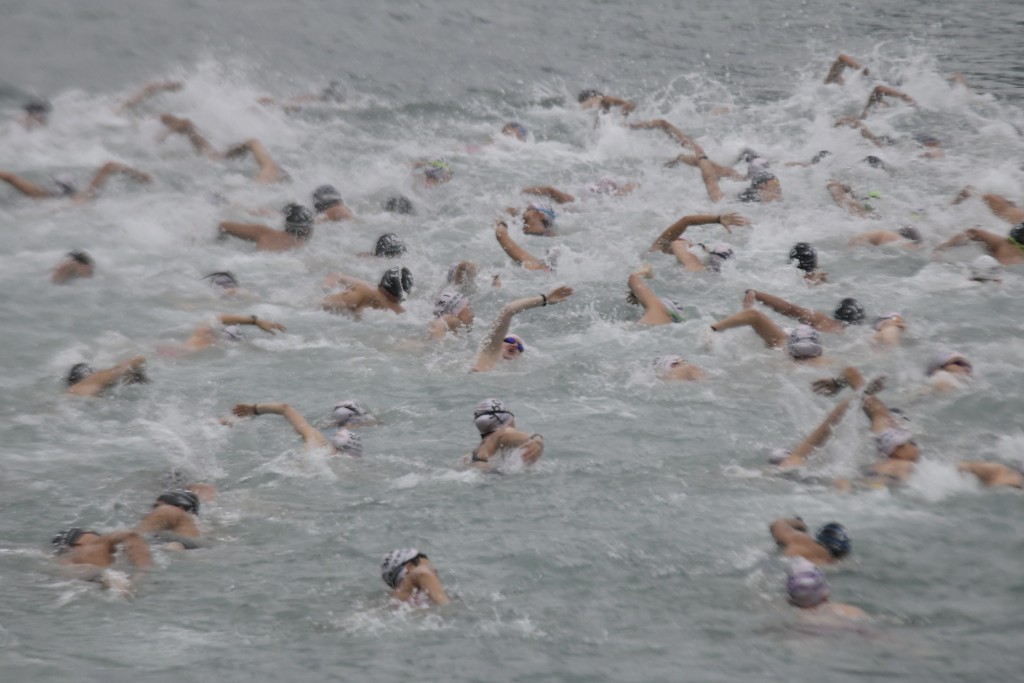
(81,257)
(223,279)
(546,212)
(66,538)
(778,455)
(806,584)
(298,221)
(389,246)
(232,333)
(888,440)
(942,358)
(79,371)
(880,321)
(926,139)
(398,204)
(849,311)
(911,233)
(820,155)
(805,255)
(834,537)
(673,308)
(324,197)
(348,442)
(439,170)
(804,342)
(874,162)
(985,268)
(397,282)
(185,500)
(449,303)
(349,411)
(587,94)
(663,364)
(490,414)
(604,186)
(747,155)
(1016,234)
(65,184)
(515,129)
(37,106)
(718,254)
(392,569)
(757,166)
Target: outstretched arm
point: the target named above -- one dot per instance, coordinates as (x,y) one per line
(818,437)
(269,171)
(246,231)
(188,129)
(835,74)
(99,179)
(490,351)
(149,91)
(550,192)
(514,251)
(843,196)
(807,316)
(26,187)
(669,130)
(674,231)
(879,94)
(1004,208)
(268,326)
(310,434)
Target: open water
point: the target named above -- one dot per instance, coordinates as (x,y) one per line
(637,549)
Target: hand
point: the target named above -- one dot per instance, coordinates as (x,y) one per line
(269,326)
(500,227)
(963,194)
(645,271)
(532,449)
(176,124)
(732,220)
(559,294)
(875,385)
(244,410)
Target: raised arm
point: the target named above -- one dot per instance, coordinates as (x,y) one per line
(805,315)
(550,192)
(310,434)
(835,74)
(269,171)
(709,175)
(490,350)
(516,252)
(149,91)
(879,94)
(788,530)
(674,231)
(99,179)
(1004,208)
(188,129)
(135,548)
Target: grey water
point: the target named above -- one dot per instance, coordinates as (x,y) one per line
(637,549)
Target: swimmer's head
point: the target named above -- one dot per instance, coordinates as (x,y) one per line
(927,140)
(545,214)
(746,156)
(663,364)
(1016,235)
(298,221)
(78,372)
(849,311)
(986,269)
(515,129)
(389,246)
(897,443)
(490,415)
(64,183)
(673,308)
(892,317)
(398,204)
(324,197)
(438,171)
(778,455)
(66,539)
(37,107)
(805,255)
(874,162)
(223,279)
(348,412)
(454,304)
(718,254)
(588,94)
(806,584)
(834,537)
(757,166)
(393,569)
(181,499)
(950,361)
(819,156)
(396,283)
(82,258)
(462,275)
(347,442)
(804,342)
(909,232)
(512,347)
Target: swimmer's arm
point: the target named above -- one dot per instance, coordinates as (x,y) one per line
(550,192)
(644,295)
(780,305)
(269,171)
(880,93)
(991,240)
(514,251)
(149,91)
(135,548)
(674,231)
(26,187)
(246,231)
(185,127)
(843,196)
(670,130)
(687,259)
(159,518)
(818,437)
(609,101)
(104,379)
(265,325)
(709,175)
(335,279)
(427,581)
(835,74)
(490,350)
(310,435)
(787,530)
(1004,208)
(532,444)
(956,240)
(104,172)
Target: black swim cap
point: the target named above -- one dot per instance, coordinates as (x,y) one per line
(36,106)
(389,246)
(587,94)
(398,204)
(849,311)
(324,197)
(835,538)
(298,221)
(185,500)
(397,282)
(911,233)
(81,257)
(820,155)
(805,256)
(79,371)
(223,278)
(67,538)
(1017,234)
(874,162)
(747,155)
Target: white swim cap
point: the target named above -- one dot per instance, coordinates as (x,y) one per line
(985,268)
(392,568)
(449,303)
(887,441)
(806,584)
(804,342)
(943,358)
(674,309)
(663,364)
(490,415)
(778,455)
(348,411)
(882,319)
(348,443)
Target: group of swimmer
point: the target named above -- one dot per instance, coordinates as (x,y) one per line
(408,573)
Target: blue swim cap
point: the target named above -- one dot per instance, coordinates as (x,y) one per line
(834,537)
(184,500)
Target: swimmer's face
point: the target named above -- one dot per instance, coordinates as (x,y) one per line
(517,132)
(958,366)
(908,451)
(511,349)
(535,220)
(895,321)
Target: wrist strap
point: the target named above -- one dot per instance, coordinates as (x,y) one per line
(255,410)
(544,299)
(254,319)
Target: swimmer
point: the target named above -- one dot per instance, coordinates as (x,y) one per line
(224,279)
(843,62)
(82,380)
(329,205)
(399,204)
(948,370)
(808,589)
(538,219)
(64,186)
(499,437)
(298,228)
(865,132)
(994,473)
(333,93)
(388,245)
(878,95)
(462,277)
(351,415)
(514,129)
(985,269)
(676,369)
(592,99)
(77,264)
(802,344)
(932,145)
(84,548)
(500,345)
(206,335)
(269,171)
(670,241)
(1000,206)
(764,185)
(895,443)
(412,578)
(515,252)
(907,237)
(172,520)
(828,546)
(850,377)
(359,295)
(452,313)
(435,172)
(657,311)
(848,312)
(1007,250)
(344,441)
(37,113)
(844,197)
(889,329)
(806,257)
(148,92)
(711,173)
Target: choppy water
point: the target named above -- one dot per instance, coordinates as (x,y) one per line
(637,549)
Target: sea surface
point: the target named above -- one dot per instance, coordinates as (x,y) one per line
(637,549)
